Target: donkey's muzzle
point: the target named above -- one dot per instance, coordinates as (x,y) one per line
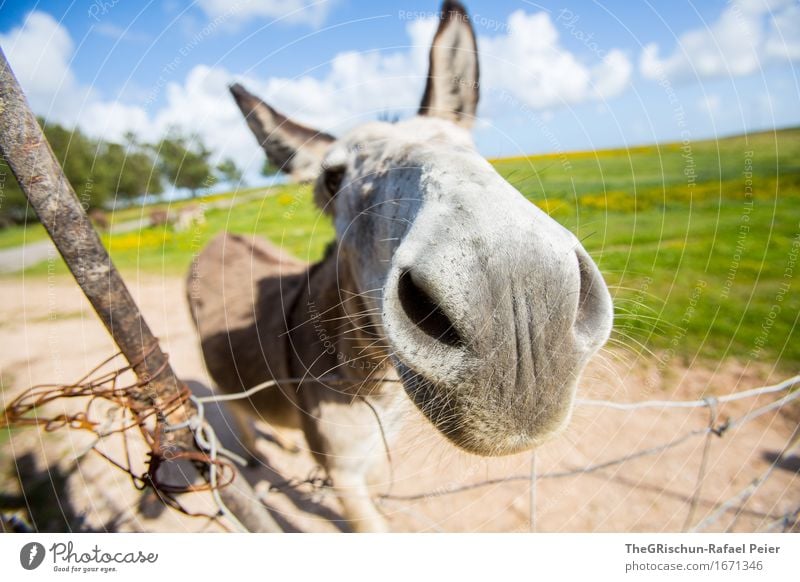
(489,348)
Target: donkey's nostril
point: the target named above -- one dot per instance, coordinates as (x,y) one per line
(595,311)
(423,311)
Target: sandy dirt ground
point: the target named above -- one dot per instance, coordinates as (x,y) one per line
(49,334)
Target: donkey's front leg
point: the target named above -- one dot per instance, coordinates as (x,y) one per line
(359,510)
(345,437)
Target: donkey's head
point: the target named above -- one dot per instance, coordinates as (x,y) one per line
(489,307)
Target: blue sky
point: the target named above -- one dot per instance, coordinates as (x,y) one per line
(576,75)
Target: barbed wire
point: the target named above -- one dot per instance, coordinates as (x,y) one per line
(704,403)
(747,493)
(149,418)
(784,523)
(716,429)
(124,414)
(713,429)
(26,410)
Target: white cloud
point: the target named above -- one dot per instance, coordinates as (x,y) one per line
(612,75)
(40,51)
(748,35)
(201,104)
(359,86)
(311,12)
(709,104)
(527,62)
(783,40)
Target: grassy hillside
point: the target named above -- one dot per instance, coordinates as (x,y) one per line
(699,242)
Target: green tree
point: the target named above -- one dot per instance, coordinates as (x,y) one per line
(13,204)
(127,171)
(269,169)
(183,160)
(77,155)
(229,171)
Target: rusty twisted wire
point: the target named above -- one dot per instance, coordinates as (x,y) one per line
(136,414)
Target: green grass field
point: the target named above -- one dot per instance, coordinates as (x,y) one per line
(17,235)
(699,243)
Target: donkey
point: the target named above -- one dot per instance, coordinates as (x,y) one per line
(444,286)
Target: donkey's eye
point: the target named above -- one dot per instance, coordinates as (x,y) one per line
(333,179)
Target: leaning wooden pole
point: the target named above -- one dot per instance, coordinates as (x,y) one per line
(25,149)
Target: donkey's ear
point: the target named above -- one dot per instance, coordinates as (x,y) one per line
(452,88)
(293,148)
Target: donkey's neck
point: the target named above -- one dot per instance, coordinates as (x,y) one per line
(333,318)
